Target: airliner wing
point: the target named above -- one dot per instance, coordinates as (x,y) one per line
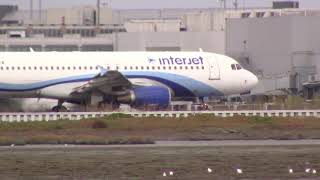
(107,82)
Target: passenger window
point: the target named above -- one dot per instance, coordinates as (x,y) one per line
(197,67)
(12,68)
(186,67)
(18,68)
(57,67)
(79,67)
(159,67)
(24,68)
(137,67)
(62,67)
(181,67)
(164,68)
(141,67)
(125,68)
(131,67)
(202,67)
(7,68)
(175,67)
(191,67)
(153,67)
(1,68)
(97,67)
(238,66)
(147,67)
(35,68)
(52,68)
(233,67)
(91,68)
(46,67)
(30,68)
(69,67)
(169,67)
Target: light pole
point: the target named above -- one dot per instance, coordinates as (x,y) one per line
(98,13)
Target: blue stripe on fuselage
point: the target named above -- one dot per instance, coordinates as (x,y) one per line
(182,86)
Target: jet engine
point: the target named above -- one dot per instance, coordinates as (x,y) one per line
(149,95)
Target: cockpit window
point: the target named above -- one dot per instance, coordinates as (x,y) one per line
(238,66)
(233,67)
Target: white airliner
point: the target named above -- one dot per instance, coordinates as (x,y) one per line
(135,78)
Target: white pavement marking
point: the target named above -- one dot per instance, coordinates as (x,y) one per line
(291,171)
(239,171)
(164,174)
(314,171)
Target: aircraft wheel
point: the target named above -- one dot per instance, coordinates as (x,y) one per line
(59,109)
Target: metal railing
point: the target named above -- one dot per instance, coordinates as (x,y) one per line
(44,116)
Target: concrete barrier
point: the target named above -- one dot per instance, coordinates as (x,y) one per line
(48,116)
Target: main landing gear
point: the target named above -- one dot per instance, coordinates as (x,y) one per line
(59,107)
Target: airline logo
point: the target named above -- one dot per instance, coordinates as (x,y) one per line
(177,60)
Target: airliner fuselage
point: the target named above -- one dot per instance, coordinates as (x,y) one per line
(75,76)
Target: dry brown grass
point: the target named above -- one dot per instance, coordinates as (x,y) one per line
(199,127)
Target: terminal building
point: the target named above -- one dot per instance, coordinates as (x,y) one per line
(280,44)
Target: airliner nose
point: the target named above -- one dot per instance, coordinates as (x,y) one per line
(253,80)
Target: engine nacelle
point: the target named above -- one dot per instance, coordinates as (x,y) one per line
(151,95)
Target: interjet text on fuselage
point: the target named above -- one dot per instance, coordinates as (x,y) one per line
(179,60)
